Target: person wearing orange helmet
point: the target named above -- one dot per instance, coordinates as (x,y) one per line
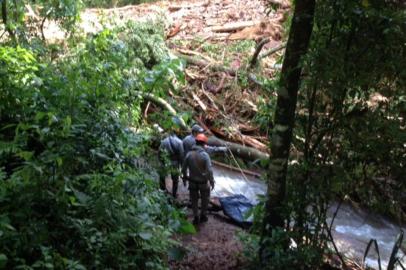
(190,140)
(198,164)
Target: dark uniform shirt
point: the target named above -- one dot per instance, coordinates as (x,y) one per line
(189,141)
(173,147)
(198,163)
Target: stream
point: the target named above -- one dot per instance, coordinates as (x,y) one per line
(353,227)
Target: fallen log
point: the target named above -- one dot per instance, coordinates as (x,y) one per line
(210,99)
(243,140)
(234,26)
(199,101)
(216,67)
(244,152)
(190,52)
(254,58)
(174,7)
(273,50)
(264,29)
(204,64)
(163,104)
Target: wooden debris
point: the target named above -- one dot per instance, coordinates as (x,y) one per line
(210,99)
(190,52)
(259,31)
(232,27)
(174,8)
(273,50)
(163,104)
(260,45)
(252,105)
(193,76)
(204,64)
(174,30)
(221,84)
(199,101)
(247,140)
(247,128)
(244,152)
(242,139)
(282,4)
(146,109)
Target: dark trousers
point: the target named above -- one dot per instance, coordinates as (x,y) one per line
(175,182)
(201,191)
(168,166)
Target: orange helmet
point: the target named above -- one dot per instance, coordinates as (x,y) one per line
(201,138)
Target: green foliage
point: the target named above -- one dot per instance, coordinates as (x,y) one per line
(349,134)
(302,257)
(353,99)
(27,27)
(264,117)
(76,189)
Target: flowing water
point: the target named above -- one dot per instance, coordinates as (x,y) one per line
(353,227)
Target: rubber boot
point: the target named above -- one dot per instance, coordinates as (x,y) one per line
(196,220)
(203,218)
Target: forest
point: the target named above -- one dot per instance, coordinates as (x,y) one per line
(306,99)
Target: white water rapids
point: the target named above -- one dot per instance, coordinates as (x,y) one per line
(353,228)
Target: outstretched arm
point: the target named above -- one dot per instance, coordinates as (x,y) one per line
(215,149)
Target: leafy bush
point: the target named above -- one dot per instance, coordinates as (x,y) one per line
(76,191)
(352,101)
(24,20)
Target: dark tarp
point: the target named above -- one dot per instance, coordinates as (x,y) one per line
(236,208)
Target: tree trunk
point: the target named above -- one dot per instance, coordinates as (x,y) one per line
(244,152)
(299,38)
(5,20)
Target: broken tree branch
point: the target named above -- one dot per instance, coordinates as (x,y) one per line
(253,142)
(200,102)
(210,99)
(163,104)
(273,50)
(234,26)
(190,52)
(216,67)
(243,139)
(254,58)
(221,84)
(146,109)
(204,64)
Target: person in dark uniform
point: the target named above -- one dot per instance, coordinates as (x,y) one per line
(171,155)
(190,140)
(200,178)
